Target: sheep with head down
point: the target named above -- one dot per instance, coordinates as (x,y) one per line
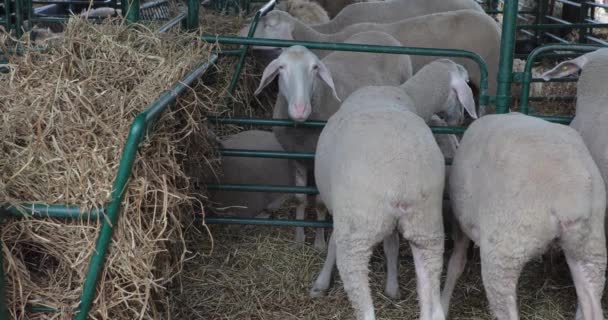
(311,88)
(378,168)
(309,12)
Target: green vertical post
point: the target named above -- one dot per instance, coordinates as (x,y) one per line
(109,221)
(582,15)
(541,10)
(507,49)
(192,18)
(18,18)
(132,10)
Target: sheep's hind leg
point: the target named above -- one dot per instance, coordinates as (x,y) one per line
(320,232)
(391,252)
(585,253)
(456,265)
(321,285)
(353,252)
(500,275)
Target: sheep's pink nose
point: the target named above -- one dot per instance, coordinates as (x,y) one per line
(299,111)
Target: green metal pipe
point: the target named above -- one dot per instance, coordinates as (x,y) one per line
(270,222)
(309,124)
(51,211)
(18,18)
(562,26)
(534,55)
(136,134)
(262,188)
(271,154)
(7,15)
(483,100)
(132,11)
(507,49)
(254,24)
(168,97)
(556,119)
(173,22)
(43,309)
(193,13)
(266,154)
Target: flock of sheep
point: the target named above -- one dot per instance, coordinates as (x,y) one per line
(517,183)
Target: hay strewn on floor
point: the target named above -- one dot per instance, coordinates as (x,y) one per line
(65,118)
(260,273)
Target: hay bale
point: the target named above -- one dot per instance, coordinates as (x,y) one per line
(65,118)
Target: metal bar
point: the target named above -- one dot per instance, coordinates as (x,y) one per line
(51,211)
(270,222)
(173,22)
(193,13)
(541,10)
(507,50)
(136,134)
(597,40)
(262,188)
(582,31)
(597,5)
(562,26)
(309,124)
(7,15)
(266,154)
(556,38)
(18,18)
(483,99)
(254,24)
(132,15)
(556,119)
(568,2)
(534,55)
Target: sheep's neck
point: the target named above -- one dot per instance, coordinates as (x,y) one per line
(429,97)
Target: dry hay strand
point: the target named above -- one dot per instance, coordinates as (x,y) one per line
(260,273)
(66,114)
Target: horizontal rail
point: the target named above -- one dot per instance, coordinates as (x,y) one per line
(309,124)
(51,211)
(173,22)
(527,74)
(562,26)
(333,46)
(270,222)
(262,188)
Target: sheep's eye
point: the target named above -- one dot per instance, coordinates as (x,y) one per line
(315,67)
(281,67)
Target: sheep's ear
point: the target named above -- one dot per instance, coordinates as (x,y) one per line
(464,94)
(326,77)
(566,68)
(271,71)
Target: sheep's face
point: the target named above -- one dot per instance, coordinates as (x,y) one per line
(460,96)
(275,25)
(297,69)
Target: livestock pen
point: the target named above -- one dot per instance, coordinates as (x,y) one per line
(258,273)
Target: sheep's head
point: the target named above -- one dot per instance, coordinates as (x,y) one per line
(460,98)
(275,25)
(297,69)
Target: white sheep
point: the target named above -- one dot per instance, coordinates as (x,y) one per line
(391,11)
(378,168)
(519,183)
(448,143)
(463,29)
(591,116)
(101,12)
(309,12)
(334,7)
(308,91)
(250,170)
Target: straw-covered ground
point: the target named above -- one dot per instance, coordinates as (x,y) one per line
(260,273)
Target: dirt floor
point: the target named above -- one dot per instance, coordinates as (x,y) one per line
(260,273)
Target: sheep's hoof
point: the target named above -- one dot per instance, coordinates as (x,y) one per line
(317,292)
(300,235)
(320,243)
(393,293)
